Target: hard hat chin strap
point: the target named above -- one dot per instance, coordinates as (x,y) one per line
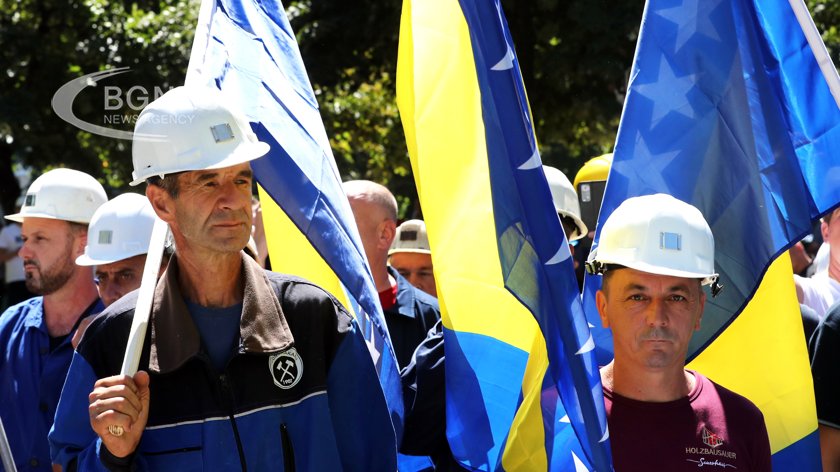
(716,286)
(595,267)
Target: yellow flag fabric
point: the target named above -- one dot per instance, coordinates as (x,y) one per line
(763,356)
(729,109)
(456,201)
(290,252)
(503,285)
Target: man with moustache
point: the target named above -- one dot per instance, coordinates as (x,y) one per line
(241,368)
(655,253)
(411,256)
(35,335)
(120,232)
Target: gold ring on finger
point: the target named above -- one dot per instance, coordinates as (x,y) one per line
(116,430)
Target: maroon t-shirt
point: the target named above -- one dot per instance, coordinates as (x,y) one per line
(712,429)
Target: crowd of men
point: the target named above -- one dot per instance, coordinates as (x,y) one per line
(245,368)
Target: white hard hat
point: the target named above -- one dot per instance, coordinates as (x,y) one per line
(62,194)
(657,234)
(118,230)
(411,237)
(191,128)
(565,200)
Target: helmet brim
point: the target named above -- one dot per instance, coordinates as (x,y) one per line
(86,260)
(412,251)
(581,229)
(19,217)
(245,152)
(705,279)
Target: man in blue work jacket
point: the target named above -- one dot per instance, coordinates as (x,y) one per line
(241,368)
(35,348)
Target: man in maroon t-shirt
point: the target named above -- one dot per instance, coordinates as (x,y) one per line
(655,253)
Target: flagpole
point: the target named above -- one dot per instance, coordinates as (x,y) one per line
(818,47)
(160,232)
(202,36)
(143,309)
(6,451)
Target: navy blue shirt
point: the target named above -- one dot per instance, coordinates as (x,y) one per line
(31,379)
(414,314)
(219,330)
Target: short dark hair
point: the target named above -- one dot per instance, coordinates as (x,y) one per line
(611,270)
(569,225)
(605,279)
(827,218)
(607,275)
(77,229)
(168,182)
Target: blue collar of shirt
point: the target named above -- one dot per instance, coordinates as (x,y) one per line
(35,316)
(405,295)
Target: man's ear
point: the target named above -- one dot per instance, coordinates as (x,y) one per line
(162,202)
(81,242)
(601,303)
(387,232)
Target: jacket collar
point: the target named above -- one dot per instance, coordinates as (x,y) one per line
(175,339)
(405,295)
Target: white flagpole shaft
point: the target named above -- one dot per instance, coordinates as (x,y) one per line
(199,48)
(818,47)
(140,322)
(6,451)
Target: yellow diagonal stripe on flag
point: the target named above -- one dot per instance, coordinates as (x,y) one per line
(292,253)
(762,355)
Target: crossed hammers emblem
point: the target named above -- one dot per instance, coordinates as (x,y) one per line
(285,371)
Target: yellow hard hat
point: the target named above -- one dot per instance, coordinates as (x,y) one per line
(597,168)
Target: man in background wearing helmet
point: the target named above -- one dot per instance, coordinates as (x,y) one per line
(241,368)
(590,183)
(409,312)
(35,334)
(411,256)
(119,232)
(566,204)
(655,253)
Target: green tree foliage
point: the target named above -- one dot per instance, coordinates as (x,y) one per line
(49,42)
(826,14)
(575,56)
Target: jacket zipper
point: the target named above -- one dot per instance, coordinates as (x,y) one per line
(228,395)
(288,451)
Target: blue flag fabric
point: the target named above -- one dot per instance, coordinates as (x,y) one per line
(523,388)
(248,50)
(728,109)
(535,260)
